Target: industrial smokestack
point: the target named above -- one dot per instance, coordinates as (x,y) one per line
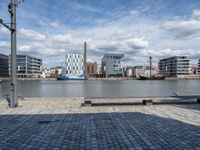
(85,59)
(150,58)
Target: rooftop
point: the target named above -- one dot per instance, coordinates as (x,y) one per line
(115,55)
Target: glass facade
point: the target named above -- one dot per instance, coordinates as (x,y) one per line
(4,67)
(28,66)
(175,66)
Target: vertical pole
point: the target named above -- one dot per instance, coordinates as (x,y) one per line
(14,98)
(85,60)
(150,65)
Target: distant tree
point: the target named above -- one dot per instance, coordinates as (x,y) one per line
(56,73)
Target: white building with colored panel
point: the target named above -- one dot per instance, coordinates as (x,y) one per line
(74,66)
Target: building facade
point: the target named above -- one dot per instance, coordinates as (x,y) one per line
(4,65)
(111,65)
(28,66)
(91,68)
(129,71)
(99,70)
(178,66)
(138,70)
(154,71)
(74,65)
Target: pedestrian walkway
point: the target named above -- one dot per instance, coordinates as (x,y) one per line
(64,124)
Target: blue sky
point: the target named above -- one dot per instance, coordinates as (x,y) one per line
(138,28)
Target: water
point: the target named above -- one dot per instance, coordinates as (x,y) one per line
(121,88)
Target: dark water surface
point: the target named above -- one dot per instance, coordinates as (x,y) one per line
(121,88)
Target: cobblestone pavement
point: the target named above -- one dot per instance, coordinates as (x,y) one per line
(63,124)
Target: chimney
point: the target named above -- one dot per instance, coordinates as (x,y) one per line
(85,59)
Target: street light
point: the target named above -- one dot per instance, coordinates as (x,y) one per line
(13,100)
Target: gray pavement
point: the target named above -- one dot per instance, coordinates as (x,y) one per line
(64,124)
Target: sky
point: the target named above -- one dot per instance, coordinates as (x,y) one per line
(48,29)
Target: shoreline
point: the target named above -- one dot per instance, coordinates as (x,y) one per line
(94,79)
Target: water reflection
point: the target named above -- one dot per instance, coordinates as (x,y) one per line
(125,88)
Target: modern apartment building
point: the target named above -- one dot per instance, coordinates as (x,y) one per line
(178,66)
(4,67)
(74,65)
(111,65)
(28,66)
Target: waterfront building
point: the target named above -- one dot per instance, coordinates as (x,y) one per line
(145,71)
(28,66)
(91,68)
(55,71)
(129,71)
(111,65)
(51,72)
(178,66)
(4,67)
(154,71)
(138,70)
(46,73)
(74,66)
(99,70)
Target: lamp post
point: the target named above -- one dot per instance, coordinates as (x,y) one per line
(14,97)
(13,100)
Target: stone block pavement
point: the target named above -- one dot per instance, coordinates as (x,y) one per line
(63,124)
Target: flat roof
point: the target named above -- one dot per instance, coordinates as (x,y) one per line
(117,55)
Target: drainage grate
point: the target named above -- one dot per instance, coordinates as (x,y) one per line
(44,122)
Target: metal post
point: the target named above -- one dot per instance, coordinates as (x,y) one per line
(14,97)
(85,60)
(150,65)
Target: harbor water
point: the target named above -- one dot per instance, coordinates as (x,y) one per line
(103,88)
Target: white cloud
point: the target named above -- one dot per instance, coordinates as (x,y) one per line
(41,22)
(183,28)
(24,48)
(55,24)
(138,43)
(61,38)
(107,45)
(196,13)
(135,12)
(116,36)
(138,38)
(4,31)
(31,34)
(4,44)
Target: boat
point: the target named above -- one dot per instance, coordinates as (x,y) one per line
(81,77)
(151,78)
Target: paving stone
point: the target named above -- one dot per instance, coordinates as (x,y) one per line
(66,125)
